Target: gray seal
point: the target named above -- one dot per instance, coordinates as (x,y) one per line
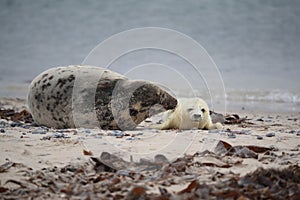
(87,96)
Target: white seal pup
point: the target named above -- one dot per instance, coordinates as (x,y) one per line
(190,113)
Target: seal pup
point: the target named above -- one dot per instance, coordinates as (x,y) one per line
(190,113)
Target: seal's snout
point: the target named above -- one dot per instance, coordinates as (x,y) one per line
(197,116)
(167,101)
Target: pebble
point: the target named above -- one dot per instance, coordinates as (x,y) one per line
(271,134)
(274,148)
(160,158)
(247,132)
(61,130)
(26,126)
(117,133)
(295,149)
(45,128)
(46,138)
(59,135)
(2,130)
(131,138)
(3,123)
(87,131)
(259,137)
(231,135)
(39,131)
(213,131)
(14,124)
(123,173)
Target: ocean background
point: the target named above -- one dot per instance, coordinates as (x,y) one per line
(255,44)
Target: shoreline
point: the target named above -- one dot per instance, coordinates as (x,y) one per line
(273,101)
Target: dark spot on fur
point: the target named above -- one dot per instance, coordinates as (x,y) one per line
(44,76)
(38,97)
(133,112)
(51,77)
(48,107)
(60,82)
(71,78)
(45,86)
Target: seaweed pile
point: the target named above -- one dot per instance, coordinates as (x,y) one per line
(12,115)
(110,177)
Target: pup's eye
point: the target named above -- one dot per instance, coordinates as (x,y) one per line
(190,109)
(203,110)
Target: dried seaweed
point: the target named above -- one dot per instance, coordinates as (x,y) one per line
(246,151)
(6,166)
(86,181)
(87,152)
(11,114)
(234,119)
(228,118)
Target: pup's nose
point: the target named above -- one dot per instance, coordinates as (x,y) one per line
(197,116)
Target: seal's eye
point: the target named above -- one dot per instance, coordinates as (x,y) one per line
(203,110)
(190,109)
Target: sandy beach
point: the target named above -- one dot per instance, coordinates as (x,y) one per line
(146,163)
(241,57)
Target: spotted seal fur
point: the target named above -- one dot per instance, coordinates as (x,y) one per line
(88,96)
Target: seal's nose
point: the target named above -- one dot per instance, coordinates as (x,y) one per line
(197,116)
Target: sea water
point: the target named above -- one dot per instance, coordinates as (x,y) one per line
(254,44)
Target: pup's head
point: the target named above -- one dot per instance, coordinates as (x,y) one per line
(197,110)
(196,114)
